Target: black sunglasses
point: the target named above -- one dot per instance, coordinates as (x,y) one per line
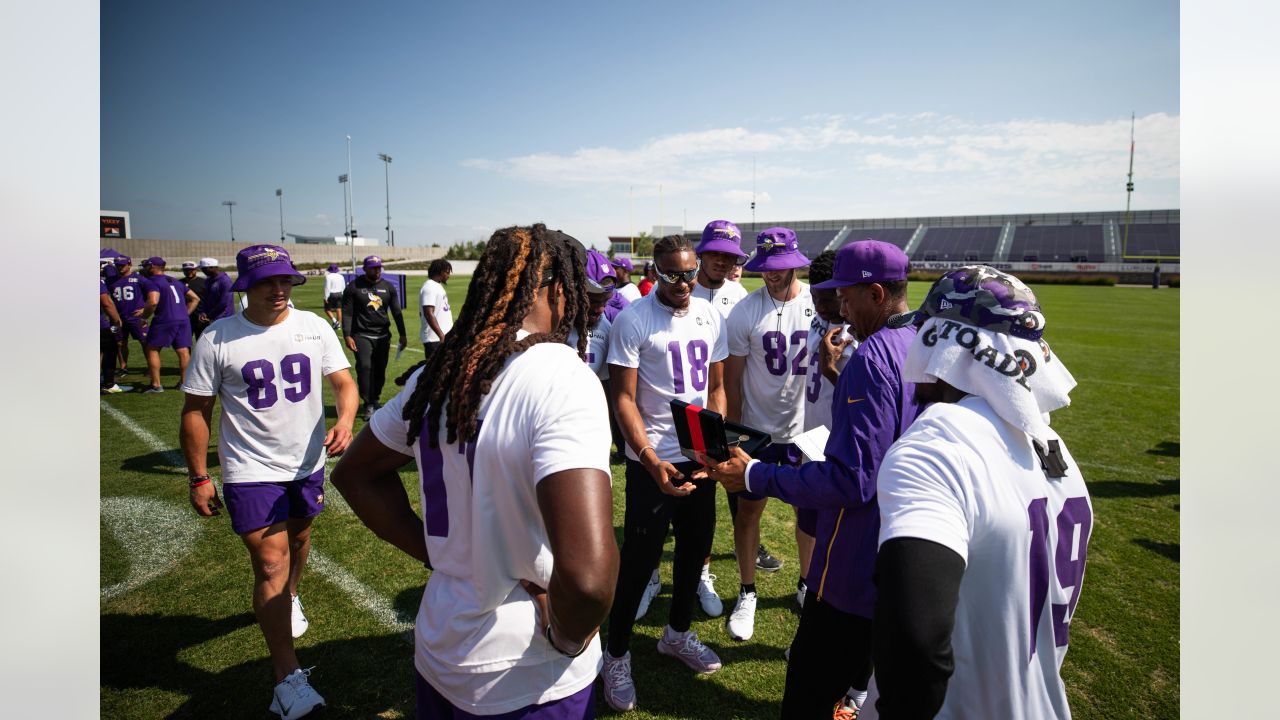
(673,278)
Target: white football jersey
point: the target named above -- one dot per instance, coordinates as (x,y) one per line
(774,338)
(269,379)
(723,298)
(334,283)
(477,640)
(433,294)
(672,356)
(630,291)
(597,347)
(962,477)
(818,390)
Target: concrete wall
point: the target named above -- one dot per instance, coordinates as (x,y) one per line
(175,252)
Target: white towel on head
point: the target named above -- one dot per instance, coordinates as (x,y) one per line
(1021,379)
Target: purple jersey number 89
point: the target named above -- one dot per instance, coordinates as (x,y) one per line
(260,376)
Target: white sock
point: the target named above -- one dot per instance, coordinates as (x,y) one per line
(706,570)
(672,636)
(859,697)
(654,577)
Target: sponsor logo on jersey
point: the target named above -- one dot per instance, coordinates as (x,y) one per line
(698,319)
(808,312)
(299,337)
(852,401)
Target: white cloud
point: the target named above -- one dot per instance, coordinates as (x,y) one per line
(323,219)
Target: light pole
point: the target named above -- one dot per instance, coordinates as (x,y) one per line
(346,222)
(231,216)
(386,166)
(280,195)
(351,195)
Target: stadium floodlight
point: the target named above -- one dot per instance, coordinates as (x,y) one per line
(280,196)
(386,166)
(231,216)
(346,221)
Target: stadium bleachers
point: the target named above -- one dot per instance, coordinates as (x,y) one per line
(812,242)
(1162,239)
(1057,243)
(896,236)
(958,243)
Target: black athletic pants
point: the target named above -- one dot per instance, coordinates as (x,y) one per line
(108,347)
(831,653)
(371,367)
(647,515)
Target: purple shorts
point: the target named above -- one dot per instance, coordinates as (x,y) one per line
(578,706)
(776,454)
(176,335)
(254,505)
(133,329)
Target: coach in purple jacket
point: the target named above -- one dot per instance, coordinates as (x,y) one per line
(871,407)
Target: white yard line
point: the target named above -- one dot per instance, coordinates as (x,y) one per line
(156,535)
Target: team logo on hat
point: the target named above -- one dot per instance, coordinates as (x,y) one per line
(729,232)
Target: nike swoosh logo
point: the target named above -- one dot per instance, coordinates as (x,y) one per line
(852,401)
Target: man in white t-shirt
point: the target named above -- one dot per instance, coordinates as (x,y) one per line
(598,326)
(718,253)
(764,380)
(626,289)
(433,305)
(334,284)
(514,486)
(267,365)
(985,518)
(668,345)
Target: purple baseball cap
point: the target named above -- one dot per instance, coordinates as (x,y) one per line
(867,261)
(153,260)
(721,236)
(984,297)
(601,277)
(259,262)
(624,263)
(122,260)
(372,261)
(776,249)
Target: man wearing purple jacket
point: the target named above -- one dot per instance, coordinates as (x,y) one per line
(216,300)
(872,406)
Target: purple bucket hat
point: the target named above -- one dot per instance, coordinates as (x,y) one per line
(721,236)
(259,262)
(867,261)
(333,267)
(776,249)
(981,296)
(624,263)
(372,261)
(601,277)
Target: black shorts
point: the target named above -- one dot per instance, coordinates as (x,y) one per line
(333,302)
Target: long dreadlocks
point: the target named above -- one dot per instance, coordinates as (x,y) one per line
(516,263)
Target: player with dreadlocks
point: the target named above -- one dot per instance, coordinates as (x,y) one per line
(511,440)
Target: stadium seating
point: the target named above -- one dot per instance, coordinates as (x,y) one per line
(812,242)
(958,243)
(1162,239)
(895,236)
(1057,243)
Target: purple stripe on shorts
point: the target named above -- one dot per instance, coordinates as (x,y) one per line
(578,706)
(255,505)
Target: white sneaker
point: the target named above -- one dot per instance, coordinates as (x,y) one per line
(800,593)
(299,621)
(294,696)
(742,621)
(707,596)
(687,648)
(116,388)
(650,592)
(619,688)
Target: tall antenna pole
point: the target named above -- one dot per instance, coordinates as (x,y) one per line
(1128,190)
(631,228)
(753,193)
(280,196)
(351,192)
(660,212)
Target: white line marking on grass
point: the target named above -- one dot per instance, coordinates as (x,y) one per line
(1114,468)
(155,534)
(1153,386)
(362,595)
(171,456)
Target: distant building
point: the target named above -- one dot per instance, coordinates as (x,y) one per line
(335,240)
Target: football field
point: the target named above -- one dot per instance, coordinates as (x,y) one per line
(178,637)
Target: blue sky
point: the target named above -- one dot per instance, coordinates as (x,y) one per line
(575,114)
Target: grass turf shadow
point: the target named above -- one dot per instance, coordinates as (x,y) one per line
(142,652)
(1173,551)
(1130,489)
(1167,449)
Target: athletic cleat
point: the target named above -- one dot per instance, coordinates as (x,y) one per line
(650,592)
(152,389)
(116,388)
(298,620)
(365,412)
(619,688)
(688,649)
(742,621)
(801,590)
(121,372)
(767,562)
(294,697)
(707,596)
(845,709)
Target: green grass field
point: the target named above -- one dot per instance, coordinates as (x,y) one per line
(178,638)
